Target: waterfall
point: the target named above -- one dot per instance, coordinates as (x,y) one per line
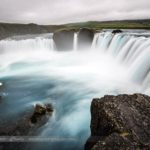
(126,47)
(32,72)
(75,41)
(94,43)
(35,44)
(105,41)
(131,50)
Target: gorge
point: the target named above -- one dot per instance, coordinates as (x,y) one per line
(39,69)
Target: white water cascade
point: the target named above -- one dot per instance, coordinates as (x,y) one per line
(131,50)
(75,41)
(35,44)
(95,41)
(32,71)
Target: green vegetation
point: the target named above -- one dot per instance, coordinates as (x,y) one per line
(127,24)
(7,29)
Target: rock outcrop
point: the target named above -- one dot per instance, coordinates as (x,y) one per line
(25,126)
(117,31)
(64,40)
(29,122)
(85,38)
(41,112)
(120,123)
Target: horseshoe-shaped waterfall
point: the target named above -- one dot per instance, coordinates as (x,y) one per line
(33,71)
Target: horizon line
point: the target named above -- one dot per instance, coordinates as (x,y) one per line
(146,19)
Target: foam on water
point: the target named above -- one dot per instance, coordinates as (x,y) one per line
(33,72)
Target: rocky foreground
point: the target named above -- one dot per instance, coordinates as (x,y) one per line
(29,122)
(120,123)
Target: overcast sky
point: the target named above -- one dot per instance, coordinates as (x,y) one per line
(64,11)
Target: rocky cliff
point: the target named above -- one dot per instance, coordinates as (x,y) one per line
(120,123)
(64,39)
(85,38)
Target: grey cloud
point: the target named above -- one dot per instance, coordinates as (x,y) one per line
(64,11)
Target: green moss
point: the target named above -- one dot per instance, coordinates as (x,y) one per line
(124,134)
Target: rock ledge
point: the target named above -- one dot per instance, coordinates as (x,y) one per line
(120,123)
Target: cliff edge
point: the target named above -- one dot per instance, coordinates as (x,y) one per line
(120,123)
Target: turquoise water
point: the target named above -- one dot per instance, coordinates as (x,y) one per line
(32,74)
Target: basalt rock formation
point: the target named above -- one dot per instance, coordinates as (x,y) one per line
(64,40)
(117,31)
(41,112)
(85,38)
(120,123)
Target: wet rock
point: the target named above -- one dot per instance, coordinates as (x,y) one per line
(40,112)
(64,40)
(117,31)
(19,127)
(29,122)
(120,122)
(49,108)
(25,127)
(0,98)
(85,38)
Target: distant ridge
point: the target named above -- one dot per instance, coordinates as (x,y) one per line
(11,29)
(124,24)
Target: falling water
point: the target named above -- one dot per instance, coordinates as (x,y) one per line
(94,43)
(131,50)
(31,72)
(75,41)
(38,43)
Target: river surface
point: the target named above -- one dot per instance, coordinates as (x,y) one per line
(31,72)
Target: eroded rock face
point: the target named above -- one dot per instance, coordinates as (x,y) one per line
(64,40)
(120,122)
(85,38)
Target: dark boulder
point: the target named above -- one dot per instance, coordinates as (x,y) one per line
(85,38)
(28,122)
(117,31)
(64,40)
(24,127)
(120,122)
(49,108)
(41,112)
